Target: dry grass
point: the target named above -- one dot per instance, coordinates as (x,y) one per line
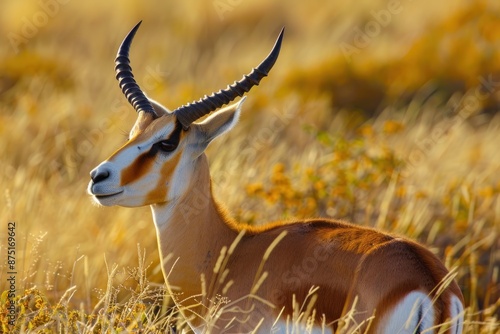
(397,136)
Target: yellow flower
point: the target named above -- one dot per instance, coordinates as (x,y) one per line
(254,188)
(401,191)
(279,168)
(391,127)
(366,131)
(487,192)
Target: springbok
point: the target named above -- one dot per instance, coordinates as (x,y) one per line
(233,278)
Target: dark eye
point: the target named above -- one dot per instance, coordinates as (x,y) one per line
(166,145)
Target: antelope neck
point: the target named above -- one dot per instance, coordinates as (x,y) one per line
(191,230)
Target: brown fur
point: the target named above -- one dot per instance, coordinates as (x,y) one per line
(344,260)
(159,193)
(138,169)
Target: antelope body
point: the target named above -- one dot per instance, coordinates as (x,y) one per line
(232,278)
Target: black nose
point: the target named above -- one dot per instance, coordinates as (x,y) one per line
(99,175)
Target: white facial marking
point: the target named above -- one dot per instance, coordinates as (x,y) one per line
(110,191)
(126,156)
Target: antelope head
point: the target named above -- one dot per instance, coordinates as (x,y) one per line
(156,163)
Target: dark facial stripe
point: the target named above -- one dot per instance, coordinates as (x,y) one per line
(175,136)
(139,167)
(159,193)
(142,165)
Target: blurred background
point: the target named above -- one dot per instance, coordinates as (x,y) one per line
(381,113)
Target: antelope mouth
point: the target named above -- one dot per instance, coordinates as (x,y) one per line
(103,196)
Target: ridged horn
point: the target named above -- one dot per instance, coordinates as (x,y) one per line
(190,112)
(125,77)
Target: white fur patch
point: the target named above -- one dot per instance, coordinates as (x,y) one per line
(413,313)
(457,315)
(284,327)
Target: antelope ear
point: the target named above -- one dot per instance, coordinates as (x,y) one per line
(218,123)
(158,108)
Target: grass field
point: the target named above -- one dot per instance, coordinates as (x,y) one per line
(381,113)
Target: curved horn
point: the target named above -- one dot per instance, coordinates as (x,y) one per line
(126,80)
(190,112)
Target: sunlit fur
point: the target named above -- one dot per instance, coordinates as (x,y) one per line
(233,278)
